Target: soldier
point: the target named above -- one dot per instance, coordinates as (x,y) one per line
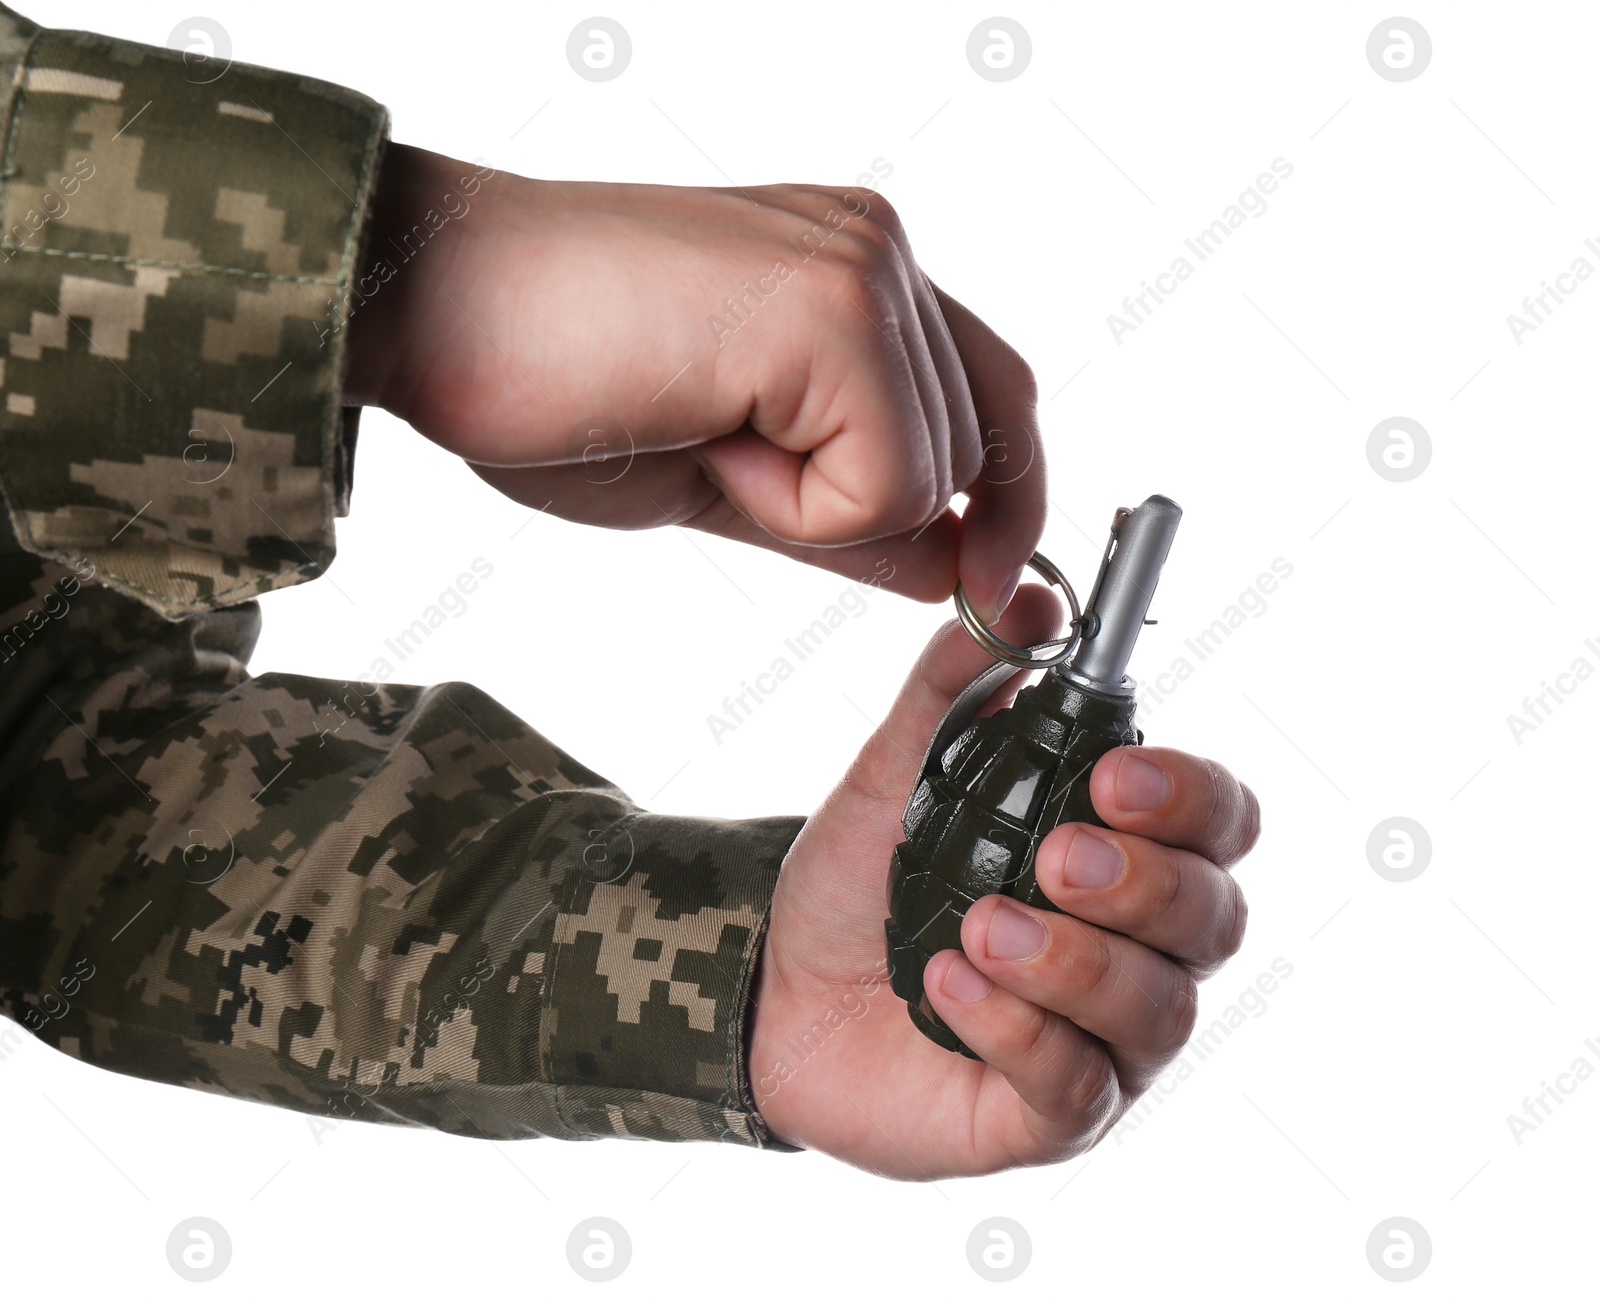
(403,904)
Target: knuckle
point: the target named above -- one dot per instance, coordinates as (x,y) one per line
(1238,918)
(869,206)
(1033,1037)
(1218,815)
(1012,372)
(1250,832)
(1232,819)
(1182,1013)
(1220,821)
(867,241)
(875,202)
(1091,1089)
(1226,934)
(1019,377)
(863,279)
(1167,888)
(865,244)
(1089,966)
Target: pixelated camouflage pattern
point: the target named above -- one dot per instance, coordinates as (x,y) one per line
(379,902)
(175,245)
(364,901)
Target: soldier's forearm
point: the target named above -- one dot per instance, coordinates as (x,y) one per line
(357,900)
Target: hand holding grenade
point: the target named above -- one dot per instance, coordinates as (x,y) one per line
(991,789)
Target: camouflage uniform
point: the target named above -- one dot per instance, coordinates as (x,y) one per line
(388,902)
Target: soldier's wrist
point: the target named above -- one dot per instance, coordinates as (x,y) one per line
(418,198)
(771,1075)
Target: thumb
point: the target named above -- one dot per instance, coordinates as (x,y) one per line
(889,763)
(835,876)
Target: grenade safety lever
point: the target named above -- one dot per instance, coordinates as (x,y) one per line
(991,789)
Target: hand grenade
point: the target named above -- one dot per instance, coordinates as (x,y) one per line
(991,789)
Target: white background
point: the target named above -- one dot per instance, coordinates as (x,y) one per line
(1378,1080)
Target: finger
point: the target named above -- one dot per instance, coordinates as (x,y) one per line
(860,821)
(962,453)
(1178,799)
(647,491)
(840,452)
(878,224)
(1135,1000)
(892,759)
(1060,1072)
(1007,498)
(921,565)
(930,387)
(963,449)
(668,487)
(890,762)
(1171,900)
(931,358)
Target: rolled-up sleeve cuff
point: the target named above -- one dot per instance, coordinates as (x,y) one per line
(177,241)
(652,962)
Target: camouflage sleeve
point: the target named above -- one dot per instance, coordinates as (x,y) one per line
(177,243)
(361,901)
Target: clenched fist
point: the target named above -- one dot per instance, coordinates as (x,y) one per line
(769,364)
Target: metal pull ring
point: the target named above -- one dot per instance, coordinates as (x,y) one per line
(1016,655)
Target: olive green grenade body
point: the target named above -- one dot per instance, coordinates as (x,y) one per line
(975,824)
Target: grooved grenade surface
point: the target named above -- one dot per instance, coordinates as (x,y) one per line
(978,814)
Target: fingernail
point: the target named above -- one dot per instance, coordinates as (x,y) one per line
(1013,933)
(987,614)
(965,982)
(1141,786)
(1008,589)
(1092,862)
